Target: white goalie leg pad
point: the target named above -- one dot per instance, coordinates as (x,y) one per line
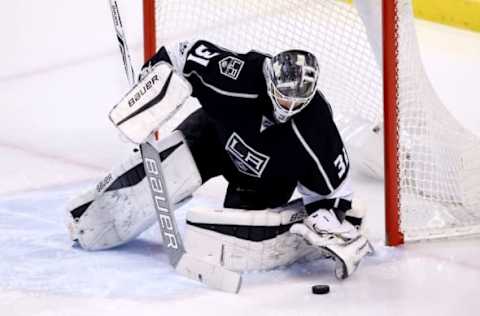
(242,240)
(120,207)
(150,103)
(101,221)
(211,274)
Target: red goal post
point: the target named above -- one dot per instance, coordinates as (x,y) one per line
(394,236)
(432,177)
(149,27)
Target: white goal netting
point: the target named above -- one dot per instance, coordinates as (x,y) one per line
(439,160)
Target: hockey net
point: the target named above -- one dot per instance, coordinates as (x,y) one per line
(433,167)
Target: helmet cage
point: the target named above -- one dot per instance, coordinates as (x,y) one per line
(284,106)
(291,82)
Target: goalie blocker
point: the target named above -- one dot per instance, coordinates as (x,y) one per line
(150,103)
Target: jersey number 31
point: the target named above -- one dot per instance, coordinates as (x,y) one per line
(202,55)
(342,163)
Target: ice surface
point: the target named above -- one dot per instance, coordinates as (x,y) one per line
(41,274)
(61,73)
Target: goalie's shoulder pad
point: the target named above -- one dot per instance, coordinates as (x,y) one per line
(150,103)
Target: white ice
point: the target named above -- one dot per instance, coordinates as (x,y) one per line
(60,73)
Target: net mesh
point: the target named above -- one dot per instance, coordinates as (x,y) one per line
(439,173)
(439,169)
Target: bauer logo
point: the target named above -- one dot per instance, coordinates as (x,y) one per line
(231,67)
(246,159)
(161,203)
(104,183)
(140,91)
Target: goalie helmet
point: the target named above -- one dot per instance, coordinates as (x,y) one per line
(291,78)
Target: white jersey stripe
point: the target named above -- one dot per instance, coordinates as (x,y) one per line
(314,157)
(344,191)
(220,91)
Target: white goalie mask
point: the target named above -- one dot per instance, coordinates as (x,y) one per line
(291,78)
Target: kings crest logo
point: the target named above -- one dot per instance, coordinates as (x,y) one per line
(246,159)
(231,66)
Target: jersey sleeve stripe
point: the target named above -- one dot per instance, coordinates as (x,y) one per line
(314,157)
(220,91)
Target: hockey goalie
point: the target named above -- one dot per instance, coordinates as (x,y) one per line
(266,128)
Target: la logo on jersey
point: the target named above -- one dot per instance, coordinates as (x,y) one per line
(230,66)
(246,159)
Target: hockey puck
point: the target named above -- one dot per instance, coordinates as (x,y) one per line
(320,289)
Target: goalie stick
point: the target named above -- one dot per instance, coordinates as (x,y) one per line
(122,42)
(213,275)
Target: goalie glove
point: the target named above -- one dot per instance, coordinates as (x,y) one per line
(347,256)
(340,241)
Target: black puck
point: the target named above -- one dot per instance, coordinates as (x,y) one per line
(320,289)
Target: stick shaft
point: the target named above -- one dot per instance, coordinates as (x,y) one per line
(162,203)
(122,42)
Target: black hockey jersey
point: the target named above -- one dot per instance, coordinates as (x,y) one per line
(267,157)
